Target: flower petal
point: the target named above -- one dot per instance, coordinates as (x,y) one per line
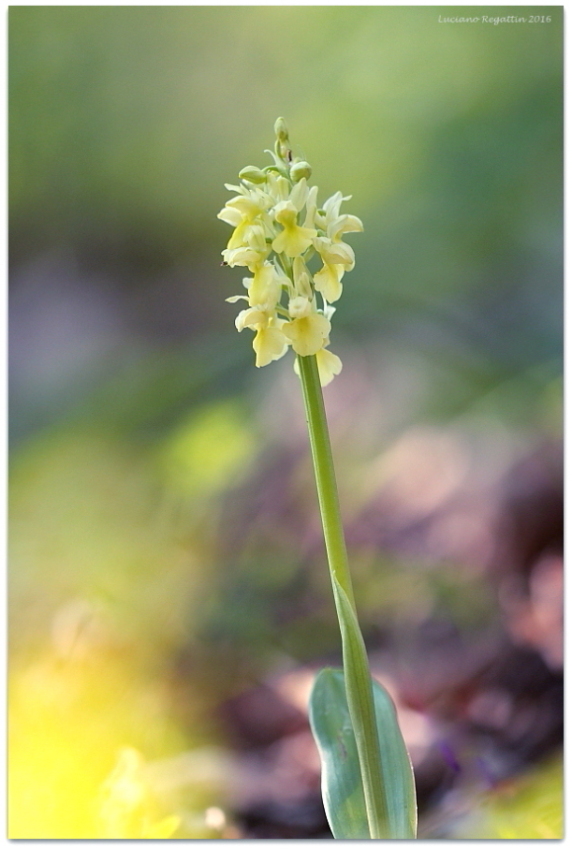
(265,286)
(293,240)
(269,344)
(299,194)
(329,365)
(252,317)
(249,206)
(344,224)
(243,256)
(308,334)
(230,216)
(335,252)
(328,281)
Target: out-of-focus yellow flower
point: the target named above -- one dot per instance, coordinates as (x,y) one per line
(161,829)
(125,803)
(278,229)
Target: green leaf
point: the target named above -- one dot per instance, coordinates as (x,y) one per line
(342,789)
(361,708)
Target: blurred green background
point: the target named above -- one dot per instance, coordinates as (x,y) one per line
(165,554)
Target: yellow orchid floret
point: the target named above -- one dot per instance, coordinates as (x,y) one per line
(328,281)
(329,365)
(293,240)
(279,228)
(308,334)
(266,285)
(269,343)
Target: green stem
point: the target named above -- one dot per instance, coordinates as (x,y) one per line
(325,474)
(356,668)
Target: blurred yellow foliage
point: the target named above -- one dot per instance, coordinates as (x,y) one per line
(208,449)
(530,807)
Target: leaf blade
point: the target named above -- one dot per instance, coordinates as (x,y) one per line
(342,789)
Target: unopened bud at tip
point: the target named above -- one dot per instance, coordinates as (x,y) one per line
(281,130)
(300,169)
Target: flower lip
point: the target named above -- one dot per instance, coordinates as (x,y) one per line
(328,281)
(308,334)
(269,344)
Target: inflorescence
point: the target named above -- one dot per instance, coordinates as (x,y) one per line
(278,229)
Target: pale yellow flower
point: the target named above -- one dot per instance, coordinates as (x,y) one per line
(328,281)
(337,258)
(252,317)
(278,187)
(293,240)
(269,344)
(344,224)
(335,253)
(243,212)
(244,256)
(311,207)
(329,365)
(278,226)
(252,253)
(330,211)
(265,287)
(308,334)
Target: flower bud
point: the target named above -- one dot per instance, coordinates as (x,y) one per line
(281,130)
(253,174)
(300,169)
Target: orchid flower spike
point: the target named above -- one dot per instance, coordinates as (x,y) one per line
(294,251)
